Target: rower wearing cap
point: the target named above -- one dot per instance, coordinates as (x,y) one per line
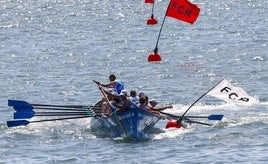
(141,94)
(123,99)
(123,93)
(152,104)
(128,99)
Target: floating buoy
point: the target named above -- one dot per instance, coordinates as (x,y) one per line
(173,124)
(149,1)
(151,21)
(154,57)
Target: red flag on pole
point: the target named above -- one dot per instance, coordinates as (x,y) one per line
(183,10)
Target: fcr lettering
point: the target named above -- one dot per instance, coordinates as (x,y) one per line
(181,9)
(234,96)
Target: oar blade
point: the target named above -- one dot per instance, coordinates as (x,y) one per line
(23,108)
(215,117)
(23,115)
(17,123)
(17,102)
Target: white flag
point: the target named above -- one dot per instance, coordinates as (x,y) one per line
(225,91)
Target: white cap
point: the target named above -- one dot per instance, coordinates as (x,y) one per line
(111,90)
(123,92)
(141,94)
(154,101)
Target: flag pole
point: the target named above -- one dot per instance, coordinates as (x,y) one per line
(156,46)
(155,57)
(181,118)
(153,10)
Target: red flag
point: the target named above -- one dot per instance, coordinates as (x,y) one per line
(183,10)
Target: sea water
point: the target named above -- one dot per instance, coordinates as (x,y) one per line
(52,50)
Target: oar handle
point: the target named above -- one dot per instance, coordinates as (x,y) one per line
(97,82)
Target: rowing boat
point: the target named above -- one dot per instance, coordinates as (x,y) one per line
(128,123)
(132,122)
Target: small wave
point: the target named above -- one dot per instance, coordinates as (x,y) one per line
(258,58)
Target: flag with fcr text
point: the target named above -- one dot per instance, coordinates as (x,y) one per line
(236,95)
(183,10)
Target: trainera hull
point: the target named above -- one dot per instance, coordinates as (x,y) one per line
(130,123)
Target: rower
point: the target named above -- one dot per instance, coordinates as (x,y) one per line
(116,85)
(133,97)
(124,101)
(152,104)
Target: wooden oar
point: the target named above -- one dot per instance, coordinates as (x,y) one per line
(21,103)
(14,123)
(210,117)
(114,112)
(25,115)
(28,108)
(186,119)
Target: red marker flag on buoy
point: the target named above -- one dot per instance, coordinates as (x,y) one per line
(181,10)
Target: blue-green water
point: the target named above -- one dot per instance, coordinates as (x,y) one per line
(52,50)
